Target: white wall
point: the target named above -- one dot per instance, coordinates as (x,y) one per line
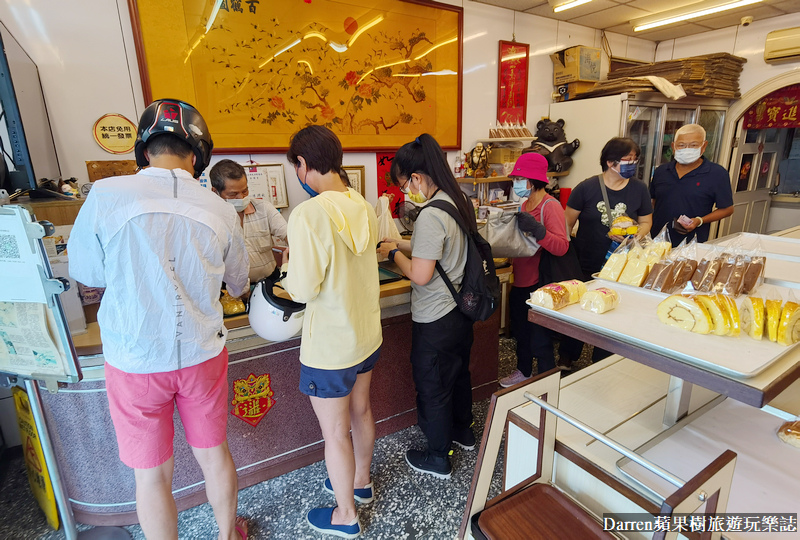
(747,42)
(87,62)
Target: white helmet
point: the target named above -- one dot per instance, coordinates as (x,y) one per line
(271,317)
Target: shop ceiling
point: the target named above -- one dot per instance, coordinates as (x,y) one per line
(617,15)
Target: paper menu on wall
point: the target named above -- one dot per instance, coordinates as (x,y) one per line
(25,345)
(20,264)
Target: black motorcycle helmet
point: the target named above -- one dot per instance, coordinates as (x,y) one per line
(176,118)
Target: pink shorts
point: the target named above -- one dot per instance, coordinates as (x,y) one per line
(142,411)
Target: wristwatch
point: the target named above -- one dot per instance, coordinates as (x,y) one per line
(392,253)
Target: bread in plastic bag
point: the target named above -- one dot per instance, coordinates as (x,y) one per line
(600,300)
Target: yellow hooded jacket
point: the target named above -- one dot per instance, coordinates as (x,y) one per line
(333,269)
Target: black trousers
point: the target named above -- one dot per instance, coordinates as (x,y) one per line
(440,366)
(534,340)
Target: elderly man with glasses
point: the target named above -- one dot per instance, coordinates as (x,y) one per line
(686,190)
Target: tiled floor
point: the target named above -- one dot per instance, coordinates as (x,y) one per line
(408,505)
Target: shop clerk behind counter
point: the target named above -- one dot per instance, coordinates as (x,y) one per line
(260,220)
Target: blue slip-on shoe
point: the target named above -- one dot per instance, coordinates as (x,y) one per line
(319,519)
(363,495)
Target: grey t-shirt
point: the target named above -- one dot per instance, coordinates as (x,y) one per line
(438,237)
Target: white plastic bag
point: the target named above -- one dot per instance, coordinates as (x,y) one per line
(386,225)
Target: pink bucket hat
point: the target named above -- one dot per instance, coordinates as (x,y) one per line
(532,166)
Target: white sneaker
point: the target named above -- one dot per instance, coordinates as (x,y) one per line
(515,378)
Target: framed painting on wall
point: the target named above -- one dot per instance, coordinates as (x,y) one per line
(376,72)
(512,82)
(356,174)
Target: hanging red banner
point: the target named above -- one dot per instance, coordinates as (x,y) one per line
(776,110)
(512,82)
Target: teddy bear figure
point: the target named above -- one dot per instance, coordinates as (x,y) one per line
(552,143)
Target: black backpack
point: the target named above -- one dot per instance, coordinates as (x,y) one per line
(480,288)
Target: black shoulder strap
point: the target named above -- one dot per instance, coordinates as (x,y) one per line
(453,212)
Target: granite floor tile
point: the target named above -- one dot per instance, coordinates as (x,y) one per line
(408,505)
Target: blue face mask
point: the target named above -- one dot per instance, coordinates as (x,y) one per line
(307,188)
(521,188)
(627,169)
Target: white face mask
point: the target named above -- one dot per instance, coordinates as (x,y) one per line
(239,204)
(685,156)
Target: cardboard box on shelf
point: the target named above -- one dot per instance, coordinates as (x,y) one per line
(577,63)
(504,155)
(574,89)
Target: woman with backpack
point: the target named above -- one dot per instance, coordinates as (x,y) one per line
(441,336)
(543,217)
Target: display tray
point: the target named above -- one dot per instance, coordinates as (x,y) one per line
(765,478)
(772,246)
(635,322)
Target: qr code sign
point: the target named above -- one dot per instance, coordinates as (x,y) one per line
(8,247)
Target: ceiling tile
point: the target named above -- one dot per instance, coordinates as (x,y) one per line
(592,7)
(610,17)
(734,17)
(517,5)
(657,6)
(787,6)
(671,32)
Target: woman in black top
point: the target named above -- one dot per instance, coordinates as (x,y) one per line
(626,195)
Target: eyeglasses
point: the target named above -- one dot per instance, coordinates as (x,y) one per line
(684,146)
(404,187)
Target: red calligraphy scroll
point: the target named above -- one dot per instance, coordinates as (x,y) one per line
(512,82)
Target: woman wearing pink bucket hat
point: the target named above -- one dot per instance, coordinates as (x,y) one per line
(543,217)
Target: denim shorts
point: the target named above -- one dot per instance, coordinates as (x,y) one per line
(334,383)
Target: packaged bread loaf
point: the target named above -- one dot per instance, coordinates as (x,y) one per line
(685,313)
(634,273)
(773,306)
(576,289)
(790,433)
(552,296)
(600,300)
(789,324)
(733,286)
(720,317)
(753,273)
(710,276)
(699,272)
(614,266)
(657,275)
(728,260)
(753,316)
(682,274)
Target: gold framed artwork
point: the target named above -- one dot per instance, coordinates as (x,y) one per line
(376,72)
(356,174)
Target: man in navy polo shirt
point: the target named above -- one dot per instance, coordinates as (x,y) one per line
(690,186)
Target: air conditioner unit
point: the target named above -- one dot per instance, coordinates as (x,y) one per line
(782,46)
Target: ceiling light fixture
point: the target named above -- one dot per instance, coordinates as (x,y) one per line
(673,16)
(569,5)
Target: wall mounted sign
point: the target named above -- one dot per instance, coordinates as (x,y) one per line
(512,82)
(115,134)
(376,72)
(267,182)
(779,109)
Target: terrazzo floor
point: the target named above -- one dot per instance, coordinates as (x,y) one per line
(408,505)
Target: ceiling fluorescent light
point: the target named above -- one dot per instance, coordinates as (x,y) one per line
(674,16)
(569,5)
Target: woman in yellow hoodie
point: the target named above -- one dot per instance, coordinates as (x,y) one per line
(333,269)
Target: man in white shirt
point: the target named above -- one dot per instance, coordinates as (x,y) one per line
(161,245)
(260,220)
